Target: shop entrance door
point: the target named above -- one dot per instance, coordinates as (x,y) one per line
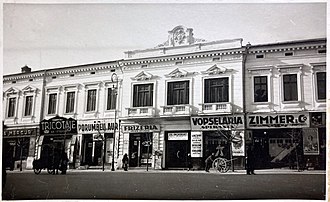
(138,153)
(261,152)
(87,149)
(98,153)
(176,154)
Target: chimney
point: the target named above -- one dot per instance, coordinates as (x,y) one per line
(26,69)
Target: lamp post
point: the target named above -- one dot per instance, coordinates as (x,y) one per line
(114,78)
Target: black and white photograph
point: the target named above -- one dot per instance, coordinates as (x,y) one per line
(156,100)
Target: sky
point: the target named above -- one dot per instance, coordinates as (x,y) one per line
(44,36)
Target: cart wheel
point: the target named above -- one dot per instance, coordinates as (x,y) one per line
(37,171)
(220,165)
(50,171)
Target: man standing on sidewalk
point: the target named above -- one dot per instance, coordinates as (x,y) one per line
(250,160)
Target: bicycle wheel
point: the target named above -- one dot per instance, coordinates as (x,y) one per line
(220,165)
(37,171)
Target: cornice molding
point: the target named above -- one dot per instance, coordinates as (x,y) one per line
(270,50)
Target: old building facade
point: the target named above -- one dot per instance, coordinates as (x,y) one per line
(182,98)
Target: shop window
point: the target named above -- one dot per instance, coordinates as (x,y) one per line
(91,100)
(28,105)
(321,85)
(52,103)
(178,93)
(216,90)
(70,99)
(143,95)
(111,99)
(260,89)
(11,107)
(290,87)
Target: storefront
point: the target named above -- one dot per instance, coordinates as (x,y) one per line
(58,135)
(19,147)
(222,135)
(141,144)
(95,142)
(278,139)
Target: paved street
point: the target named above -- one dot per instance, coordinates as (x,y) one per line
(164,185)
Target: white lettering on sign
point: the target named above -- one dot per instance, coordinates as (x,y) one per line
(177,136)
(140,128)
(196,144)
(278,120)
(216,122)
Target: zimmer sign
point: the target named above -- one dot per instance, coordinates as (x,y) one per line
(278,120)
(217,122)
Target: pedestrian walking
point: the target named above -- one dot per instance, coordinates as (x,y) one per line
(125,162)
(189,163)
(250,160)
(208,162)
(64,163)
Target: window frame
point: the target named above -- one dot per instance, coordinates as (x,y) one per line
(113,103)
(66,102)
(190,82)
(283,88)
(96,100)
(317,86)
(143,83)
(25,106)
(254,87)
(14,114)
(214,78)
(48,103)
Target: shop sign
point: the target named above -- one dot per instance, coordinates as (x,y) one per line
(196,144)
(96,126)
(140,128)
(177,136)
(238,143)
(58,125)
(9,133)
(217,122)
(278,120)
(311,141)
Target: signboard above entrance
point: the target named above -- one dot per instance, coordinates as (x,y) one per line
(140,128)
(177,136)
(58,125)
(225,122)
(24,132)
(297,120)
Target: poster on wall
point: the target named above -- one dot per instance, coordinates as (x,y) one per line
(196,144)
(238,143)
(311,141)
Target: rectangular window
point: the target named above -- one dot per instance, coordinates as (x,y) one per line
(70,97)
(216,90)
(178,93)
(260,89)
(91,100)
(111,100)
(28,105)
(321,85)
(143,95)
(290,87)
(11,107)
(52,103)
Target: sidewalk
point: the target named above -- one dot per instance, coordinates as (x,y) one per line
(212,171)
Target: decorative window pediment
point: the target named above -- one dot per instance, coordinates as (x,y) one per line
(177,73)
(29,89)
(142,76)
(12,90)
(215,69)
(287,68)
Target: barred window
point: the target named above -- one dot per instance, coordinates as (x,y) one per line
(143,95)
(260,89)
(91,100)
(111,100)
(52,103)
(178,93)
(11,107)
(70,99)
(290,87)
(216,90)
(28,105)
(321,85)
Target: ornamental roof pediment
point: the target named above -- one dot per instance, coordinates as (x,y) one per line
(29,88)
(177,73)
(142,76)
(12,90)
(215,69)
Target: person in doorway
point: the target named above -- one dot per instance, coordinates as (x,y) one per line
(57,161)
(64,163)
(125,162)
(250,160)
(208,162)
(189,164)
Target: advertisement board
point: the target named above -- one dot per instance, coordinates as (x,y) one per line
(238,143)
(196,144)
(211,123)
(311,141)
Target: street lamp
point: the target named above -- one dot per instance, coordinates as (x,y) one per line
(114,78)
